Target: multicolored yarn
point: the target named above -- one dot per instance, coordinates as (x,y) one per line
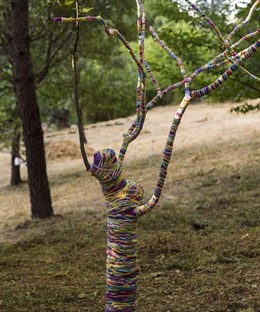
(109,31)
(216,84)
(208,21)
(133,132)
(226,42)
(143,209)
(243,23)
(246,38)
(123,197)
(137,126)
(224,54)
(173,55)
(153,79)
(211,65)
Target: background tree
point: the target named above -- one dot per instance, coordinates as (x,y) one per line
(10,135)
(45,50)
(20,57)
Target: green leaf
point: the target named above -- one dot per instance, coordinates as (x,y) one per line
(85,10)
(69,2)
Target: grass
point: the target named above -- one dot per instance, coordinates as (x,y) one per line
(199,250)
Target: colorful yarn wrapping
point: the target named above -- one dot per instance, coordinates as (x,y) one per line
(143,209)
(243,23)
(123,197)
(208,21)
(238,59)
(137,126)
(226,42)
(109,31)
(178,60)
(216,84)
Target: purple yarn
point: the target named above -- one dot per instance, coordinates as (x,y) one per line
(57,19)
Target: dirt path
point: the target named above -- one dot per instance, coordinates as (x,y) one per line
(202,125)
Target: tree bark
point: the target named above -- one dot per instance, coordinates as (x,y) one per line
(15,170)
(83,130)
(40,197)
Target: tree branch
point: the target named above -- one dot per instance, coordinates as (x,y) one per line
(76,96)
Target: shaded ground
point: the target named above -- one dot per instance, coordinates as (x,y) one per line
(199,250)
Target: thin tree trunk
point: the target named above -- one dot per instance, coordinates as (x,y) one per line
(76,81)
(83,130)
(41,205)
(15,170)
(82,136)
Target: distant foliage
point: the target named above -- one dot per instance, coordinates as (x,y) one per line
(245,108)
(9,122)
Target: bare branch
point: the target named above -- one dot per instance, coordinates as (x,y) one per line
(245,84)
(51,56)
(39,77)
(8,76)
(61,45)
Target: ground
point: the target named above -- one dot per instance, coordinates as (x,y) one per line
(199,249)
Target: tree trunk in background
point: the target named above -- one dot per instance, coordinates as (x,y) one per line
(40,197)
(15,170)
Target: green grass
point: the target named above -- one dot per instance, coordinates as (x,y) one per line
(215,268)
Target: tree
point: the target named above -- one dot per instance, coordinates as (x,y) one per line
(123,197)
(45,47)
(9,120)
(10,135)
(41,206)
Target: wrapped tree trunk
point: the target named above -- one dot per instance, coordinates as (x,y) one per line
(122,198)
(123,203)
